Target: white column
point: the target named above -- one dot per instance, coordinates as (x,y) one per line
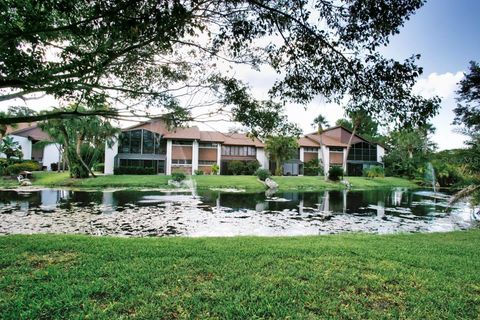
(51,154)
(194,156)
(326,158)
(302,154)
(380,153)
(219,157)
(110,153)
(168,165)
(262,158)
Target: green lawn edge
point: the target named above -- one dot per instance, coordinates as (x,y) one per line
(351,276)
(208,182)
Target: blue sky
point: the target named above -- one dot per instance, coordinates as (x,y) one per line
(444,32)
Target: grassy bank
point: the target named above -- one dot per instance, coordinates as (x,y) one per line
(249,183)
(343,276)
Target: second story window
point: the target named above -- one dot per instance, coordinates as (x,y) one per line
(242,151)
(141,142)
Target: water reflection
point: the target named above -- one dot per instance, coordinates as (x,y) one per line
(127,212)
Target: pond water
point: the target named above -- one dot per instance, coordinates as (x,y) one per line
(157,213)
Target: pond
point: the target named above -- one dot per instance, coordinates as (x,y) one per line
(157,213)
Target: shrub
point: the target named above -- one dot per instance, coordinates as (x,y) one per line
(54,166)
(3,165)
(215,169)
(250,167)
(262,174)
(178,176)
(235,167)
(335,173)
(313,168)
(374,172)
(133,170)
(198,172)
(16,168)
(99,167)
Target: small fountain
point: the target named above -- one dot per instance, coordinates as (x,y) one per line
(430,177)
(192,185)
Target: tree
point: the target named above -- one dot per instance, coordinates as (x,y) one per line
(15,111)
(144,55)
(319,122)
(409,150)
(467,114)
(82,139)
(281,149)
(367,128)
(359,121)
(10,148)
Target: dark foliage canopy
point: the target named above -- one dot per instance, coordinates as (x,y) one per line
(143,56)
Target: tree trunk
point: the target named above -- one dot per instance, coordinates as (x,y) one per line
(278,167)
(79,155)
(349,145)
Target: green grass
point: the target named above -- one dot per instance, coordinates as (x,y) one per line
(293,183)
(353,276)
(249,183)
(358,183)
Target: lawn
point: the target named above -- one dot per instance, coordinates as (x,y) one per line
(248,183)
(358,183)
(354,276)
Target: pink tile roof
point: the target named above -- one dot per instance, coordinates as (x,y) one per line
(189,133)
(242,139)
(326,140)
(33,132)
(306,142)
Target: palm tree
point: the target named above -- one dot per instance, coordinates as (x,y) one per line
(318,123)
(10,148)
(357,117)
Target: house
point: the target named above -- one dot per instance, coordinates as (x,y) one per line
(333,143)
(35,144)
(152,145)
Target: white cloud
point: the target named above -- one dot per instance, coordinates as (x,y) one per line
(443,85)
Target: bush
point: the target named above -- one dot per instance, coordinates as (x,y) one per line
(16,168)
(99,167)
(54,166)
(198,172)
(262,174)
(236,167)
(335,173)
(250,167)
(215,169)
(374,172)
(313,168)
(133,170)
(178,176)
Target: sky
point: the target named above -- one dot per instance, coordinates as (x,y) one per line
(444,32)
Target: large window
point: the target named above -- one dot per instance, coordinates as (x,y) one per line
(136,141)
(363,151)
(148,141)
(242,151)
(141,141)
(310,149)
